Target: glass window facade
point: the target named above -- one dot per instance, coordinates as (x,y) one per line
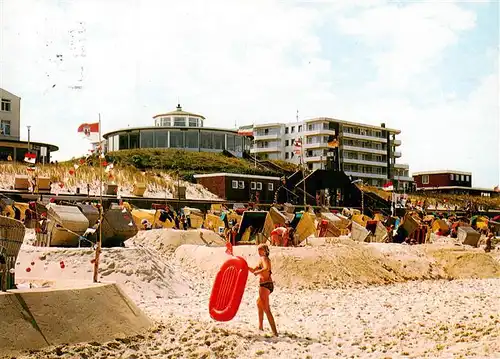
(123,141)
(134,140)
(180,121)
(147,139)
(188,138)
(219,141)
(191,139)
(176,139)
(193,122)
(161,139)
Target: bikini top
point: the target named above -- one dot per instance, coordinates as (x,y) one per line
(260,267)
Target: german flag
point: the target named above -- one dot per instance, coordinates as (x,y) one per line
(332,141)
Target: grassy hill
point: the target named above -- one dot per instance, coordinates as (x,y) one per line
(186,163)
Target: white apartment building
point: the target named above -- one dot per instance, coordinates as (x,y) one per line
(366,152)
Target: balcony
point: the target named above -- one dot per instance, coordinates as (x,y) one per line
(403,178)
(397,142)
(319,131)
(364,149)
(364,162)
(366,175)
(364,137)
(402,166)
(265,149)
(316,145)
(270,136)
(397,154)
(315,159)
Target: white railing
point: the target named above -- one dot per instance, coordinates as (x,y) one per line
(365,137)
(365,162)
(265,149)
(366,175)
(364,149)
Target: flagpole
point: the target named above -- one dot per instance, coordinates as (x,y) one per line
(303,170)
(101,210)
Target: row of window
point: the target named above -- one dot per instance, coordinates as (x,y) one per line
(363,131)
(456,177)
(5,105)
(365,144)
(175,139)
(255,186)
(453,177)
(178,121)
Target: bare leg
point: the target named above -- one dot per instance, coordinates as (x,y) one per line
(264,297)
(261,314)
(270,319)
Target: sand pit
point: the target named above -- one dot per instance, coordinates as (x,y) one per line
(166,241)
(45,317)
(337,298)
(345,263)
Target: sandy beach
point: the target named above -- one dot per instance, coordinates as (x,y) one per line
(336,299)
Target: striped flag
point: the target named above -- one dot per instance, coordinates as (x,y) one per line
(297,144)
(388,186)
(30,157)
(90,131)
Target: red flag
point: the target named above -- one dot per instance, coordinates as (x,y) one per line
(90,131)
(30,157)
(388,186)
(297,146)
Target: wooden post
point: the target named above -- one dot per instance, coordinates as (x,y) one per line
(101,209)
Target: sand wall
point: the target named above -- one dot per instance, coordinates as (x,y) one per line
(35,318)
(345,262)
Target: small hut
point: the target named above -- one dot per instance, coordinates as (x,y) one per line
(117,226)
(65,225)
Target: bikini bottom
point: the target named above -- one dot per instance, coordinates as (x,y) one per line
(268,285)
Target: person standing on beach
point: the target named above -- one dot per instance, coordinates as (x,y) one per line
(266,287)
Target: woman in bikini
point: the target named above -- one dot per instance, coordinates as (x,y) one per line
(266,287)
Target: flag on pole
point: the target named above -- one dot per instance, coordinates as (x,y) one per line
(245,132)
(333,142)
(30,157)
(297,144)
(388,186)
(90,131)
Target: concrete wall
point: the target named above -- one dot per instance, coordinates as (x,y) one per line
(36,318)
(14,115)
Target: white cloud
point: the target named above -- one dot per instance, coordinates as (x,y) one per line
(242,62)
(408,40)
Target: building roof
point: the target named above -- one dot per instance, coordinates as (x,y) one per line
(2,91)
(456,187)
(263,125)
(24,144)
(316,119)
(353,124)
(179,112)
(441,172)
(182,128)
(236,175)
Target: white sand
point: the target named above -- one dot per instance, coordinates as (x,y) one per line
(193,191)
(323,303)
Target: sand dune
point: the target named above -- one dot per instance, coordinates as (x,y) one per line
(336,299)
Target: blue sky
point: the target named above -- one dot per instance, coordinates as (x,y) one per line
(427,68)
